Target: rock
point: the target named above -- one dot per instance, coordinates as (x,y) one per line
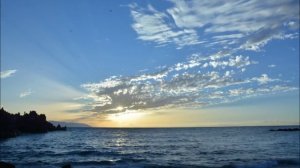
(12,125)
(6,165)
(59,128)
(286,129)
(67,166)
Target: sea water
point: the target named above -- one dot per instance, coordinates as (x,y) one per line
(226,147)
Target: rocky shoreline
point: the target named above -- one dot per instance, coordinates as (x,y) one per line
(12,125)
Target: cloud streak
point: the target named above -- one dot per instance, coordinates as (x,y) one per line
(25,94)
(152,25)
(7,73)
(215,22)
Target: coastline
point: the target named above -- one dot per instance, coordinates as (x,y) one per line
(12,125)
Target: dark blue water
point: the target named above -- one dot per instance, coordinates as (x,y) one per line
(240,147)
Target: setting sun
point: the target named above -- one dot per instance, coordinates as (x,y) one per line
(124,117)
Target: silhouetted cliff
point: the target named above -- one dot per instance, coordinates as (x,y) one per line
(14,124)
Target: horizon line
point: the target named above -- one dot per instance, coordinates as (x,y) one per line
(190,127)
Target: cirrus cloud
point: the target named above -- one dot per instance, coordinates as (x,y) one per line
(7,73)
(25,93)
(214,22)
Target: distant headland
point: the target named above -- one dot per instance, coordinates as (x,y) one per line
(12,125)
(69,124)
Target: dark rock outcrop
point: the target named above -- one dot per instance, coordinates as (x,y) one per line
(67,166)
(12,125)
(286,129)
(6,165)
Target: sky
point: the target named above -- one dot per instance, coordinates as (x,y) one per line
(155,63)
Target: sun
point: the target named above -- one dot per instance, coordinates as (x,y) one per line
(120,108)
(125,116)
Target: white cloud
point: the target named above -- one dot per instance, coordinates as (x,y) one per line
(228,36)
(250,92)
(154,76)
(25,93)
(264,79)
(7,73)
(272,66)
(282,88)
(179,85)
(151,25)
(217,22)
(237,62)
(233,15)
(107,83)
(181,89)
(241,91)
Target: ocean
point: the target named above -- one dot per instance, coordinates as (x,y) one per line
(220,147)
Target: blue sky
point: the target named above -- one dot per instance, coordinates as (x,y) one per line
(90,60)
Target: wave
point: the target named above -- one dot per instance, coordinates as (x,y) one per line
(110,162)
(83,153)
(139,163)
(288,161)
(274,163)
(277,163)
(92,152)
(87,163)
(130,160)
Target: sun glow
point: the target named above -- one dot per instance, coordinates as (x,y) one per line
(125,116)
(120,108)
